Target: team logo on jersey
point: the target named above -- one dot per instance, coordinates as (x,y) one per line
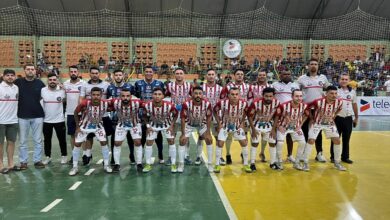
(59,99)
(364,105)
(349,97)
(7,96)
(79,88)
(320,83)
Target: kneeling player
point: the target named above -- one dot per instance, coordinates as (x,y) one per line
(128,121)
(195,115)
(91,122)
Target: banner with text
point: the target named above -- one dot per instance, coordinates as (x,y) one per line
(368,105)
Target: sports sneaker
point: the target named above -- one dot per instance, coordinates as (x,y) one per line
(161,161)
(107,169)
(297,166)
(187,161)
(229,159)
(210,168)
(47,161)
(73,171)
(64,160)
(274,166)
(180,168)
(198,161)
(320,158)
(305,167)
(116,168)
(173,168)
(247,169)
(253,167)
(147,168)
(217,168)
(340,167)
(39,165)
(168,162)
(139,167)
(222,161)
(290,159)
(262,158)
(280,165)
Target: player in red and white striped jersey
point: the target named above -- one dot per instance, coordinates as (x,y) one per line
(231,116)
(93,111)
(325,111)
(196,114)
(127,110)
(160,116)
(261,114)
(245,94)
(291,116)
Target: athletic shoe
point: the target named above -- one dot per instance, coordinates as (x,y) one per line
(161,161)
(116,168)
(47,161)
(139,167)
(210,168)
(262,158)
(305,167)
(247,168)
(107,169)
(348,161)
(39,165)
(320,158)
(229,159)
(274,166)
(290,159)
(297,166)
(147,168)
(73,171)
(169,162)
(64,160)
(23,166)
(340,167)
(280,165)
(253,167)
(173,168)
(198,161)
(180,168)
(187,160)
(222,161)
(217,169)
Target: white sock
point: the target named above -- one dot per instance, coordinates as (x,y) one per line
(199,148)
(117,154)
(337,153)
(307,152)
(272,154)
(228,145)
(106,155)
(263,145)
(300,150)
(76,155)
(210,153)
(279,151)
(172,153)
(187,149)
(88,152)
(244,151)
(148,154)
(218,154)
(253,154)
(181,153)
(138,154)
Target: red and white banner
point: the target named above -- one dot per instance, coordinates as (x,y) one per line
(373,105)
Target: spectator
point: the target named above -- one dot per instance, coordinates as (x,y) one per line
(234,64)
(82,62)
(174,66)
(387,86)
(101,63)
(164,68)
(181,63)
(111,65)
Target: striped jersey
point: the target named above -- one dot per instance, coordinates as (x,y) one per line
(312,87)
(325,111)
(212,93)
(262,112)
(291,117)
(178,93)
(243,87)
(160,117)
(231,115)
(92,114)
(257,90)
(128,115)
(196,115)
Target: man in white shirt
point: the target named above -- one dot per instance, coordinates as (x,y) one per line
(387,86)
(8,118)
(343,120)
(53,97)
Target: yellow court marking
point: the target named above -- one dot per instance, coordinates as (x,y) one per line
(323,193)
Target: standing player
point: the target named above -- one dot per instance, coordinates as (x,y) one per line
(143,89)
(261,114)
(325,111)
(160,116)
(231,116)
(92,111)
(114,91)
(245,94)
(127,111)
(313,85)
(283,91)
(196,114)
(179,91)
(291,115)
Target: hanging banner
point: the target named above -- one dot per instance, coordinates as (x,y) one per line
(373,105)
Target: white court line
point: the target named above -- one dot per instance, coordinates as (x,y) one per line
(225,201)
(89,172)
(75,185)
(99,161)
(51,205)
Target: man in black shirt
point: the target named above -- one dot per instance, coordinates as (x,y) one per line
(30,114)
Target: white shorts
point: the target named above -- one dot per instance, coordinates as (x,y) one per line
(238,135)
(213,129)
(100,134)
(295,135)
(153,135)
(121,132)
(330,131)
(265,136)
(189,129)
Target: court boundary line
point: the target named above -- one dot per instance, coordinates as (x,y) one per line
(51,205)
(222,195)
